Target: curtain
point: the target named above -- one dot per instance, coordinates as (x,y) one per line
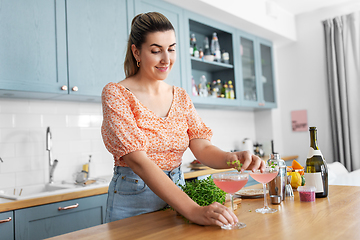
(342,42)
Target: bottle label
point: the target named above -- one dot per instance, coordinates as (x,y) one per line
(314,179)
(313,152)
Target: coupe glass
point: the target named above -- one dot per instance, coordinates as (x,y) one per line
(231,182)
(264,177)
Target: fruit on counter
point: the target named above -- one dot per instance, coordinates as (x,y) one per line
(296,179)
(296,166)
(302,180)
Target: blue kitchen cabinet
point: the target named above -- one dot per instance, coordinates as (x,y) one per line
(256,75)
(62,49)
(175,15)
(7,226)
(204,27)
(97,34)
(47,220)
(32,47)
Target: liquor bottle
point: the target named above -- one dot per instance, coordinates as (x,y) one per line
(214,90)
(316,171)
(225,57)
(201,53)
(219,86)
(225,91)
(231,90)
(215,48)
(193,87)
(203,92)
(192,43)
(196,51)
(206,47)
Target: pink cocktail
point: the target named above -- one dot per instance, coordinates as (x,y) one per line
(230,185)
(231,182)
(265,177)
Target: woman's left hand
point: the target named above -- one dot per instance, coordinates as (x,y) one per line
(249,161)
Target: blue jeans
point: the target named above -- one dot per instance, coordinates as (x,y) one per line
(129,196)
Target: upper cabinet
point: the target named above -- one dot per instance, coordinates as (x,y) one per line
(97,35)
(210,81)
(32,46)
(74,50)
(70,49)
(175,15)
(256,75)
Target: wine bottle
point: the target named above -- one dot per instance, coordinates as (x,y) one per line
(316,171)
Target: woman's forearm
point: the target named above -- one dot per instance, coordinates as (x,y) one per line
(214,157)
(209,154)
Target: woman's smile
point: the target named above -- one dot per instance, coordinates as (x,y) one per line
(162,69)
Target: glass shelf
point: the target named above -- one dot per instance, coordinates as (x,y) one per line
(204,65)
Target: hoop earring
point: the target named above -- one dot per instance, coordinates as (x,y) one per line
(138,64)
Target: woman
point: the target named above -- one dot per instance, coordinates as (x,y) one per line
(147,126)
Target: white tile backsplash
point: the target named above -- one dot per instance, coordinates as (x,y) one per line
(7,120)
(75,128)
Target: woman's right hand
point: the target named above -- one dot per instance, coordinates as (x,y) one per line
(213,214)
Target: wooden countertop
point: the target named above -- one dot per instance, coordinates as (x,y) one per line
(18,204)
(197,173)
(8,205)
(335,217)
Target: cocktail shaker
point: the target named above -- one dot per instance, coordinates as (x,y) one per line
(277,185)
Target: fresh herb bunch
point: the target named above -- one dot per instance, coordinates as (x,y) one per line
(236,164)
(204,192)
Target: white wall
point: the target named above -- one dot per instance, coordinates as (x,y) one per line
(75,128)
(301,75)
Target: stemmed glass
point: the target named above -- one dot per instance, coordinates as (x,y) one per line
(231,182)
(264,177)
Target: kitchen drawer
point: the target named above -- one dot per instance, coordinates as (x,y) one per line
(47,220)
(7,226)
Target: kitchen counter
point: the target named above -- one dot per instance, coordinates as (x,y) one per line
(196,173)
(8,205)
(335,217)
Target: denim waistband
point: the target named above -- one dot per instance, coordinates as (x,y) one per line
(127,170)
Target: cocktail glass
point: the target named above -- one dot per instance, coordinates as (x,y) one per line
(231,182)
(264,177)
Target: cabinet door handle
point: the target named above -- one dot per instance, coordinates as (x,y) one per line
(75,89)
(64,88)
(5,220)
(68,207)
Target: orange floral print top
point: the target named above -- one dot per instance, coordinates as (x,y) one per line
(130,126)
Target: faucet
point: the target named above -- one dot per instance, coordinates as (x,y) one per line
(52,164)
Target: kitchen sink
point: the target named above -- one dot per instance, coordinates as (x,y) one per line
(33,191)
(43,190)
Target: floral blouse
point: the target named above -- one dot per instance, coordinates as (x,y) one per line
(130,126)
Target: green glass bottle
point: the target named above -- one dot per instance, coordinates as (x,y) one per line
(316,171)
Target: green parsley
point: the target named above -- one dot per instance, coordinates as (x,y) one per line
(235,164)
(204,192)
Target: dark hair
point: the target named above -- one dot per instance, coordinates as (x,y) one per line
(141,26)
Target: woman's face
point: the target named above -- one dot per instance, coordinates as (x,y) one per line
(157,55)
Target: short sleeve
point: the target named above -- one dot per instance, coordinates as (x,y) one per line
(119,130)
(196,127)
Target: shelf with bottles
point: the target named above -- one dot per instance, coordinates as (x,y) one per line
(216,89)
(210,44)
(211,60)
